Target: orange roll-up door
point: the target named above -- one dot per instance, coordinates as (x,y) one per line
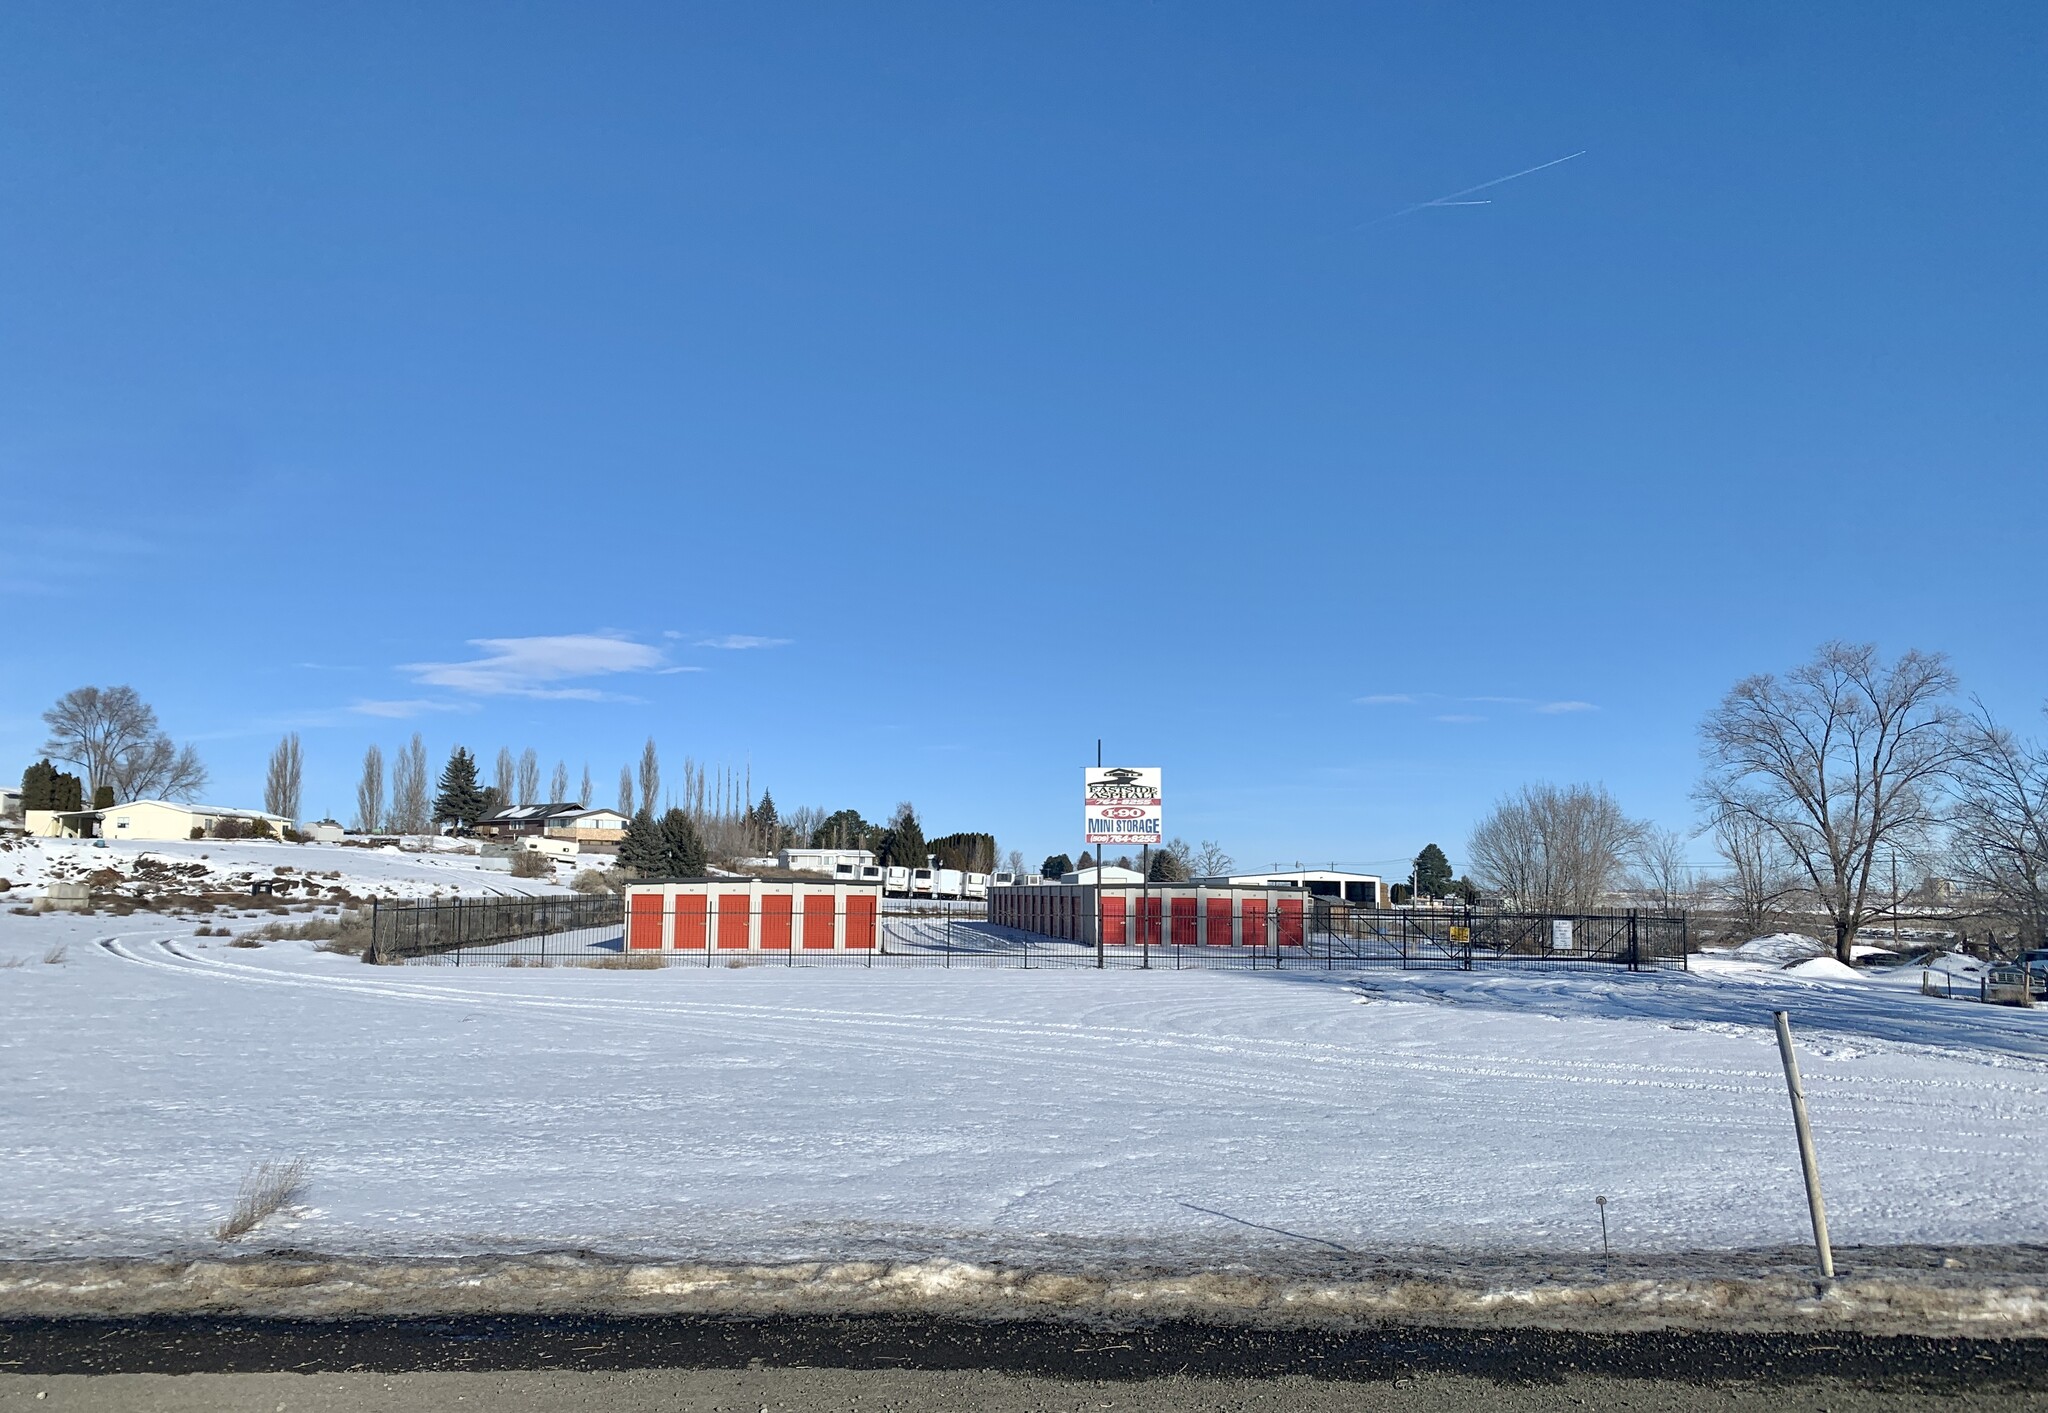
(1219,922)
(734,914)
(1253,915)
(777,909)
(643,926)
(1290,922)
(860,920)
(819,915)
(1183,922)
(693,912)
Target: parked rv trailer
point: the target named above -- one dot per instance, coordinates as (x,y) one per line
(896,882)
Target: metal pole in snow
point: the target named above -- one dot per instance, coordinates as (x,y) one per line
(1809,1164)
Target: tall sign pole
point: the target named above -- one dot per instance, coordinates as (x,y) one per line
(1121,804)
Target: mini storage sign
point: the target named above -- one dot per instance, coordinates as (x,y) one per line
(1123,805)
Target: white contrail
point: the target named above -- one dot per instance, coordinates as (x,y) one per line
(1452,199)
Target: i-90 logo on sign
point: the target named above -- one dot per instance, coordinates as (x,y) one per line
(1122,804)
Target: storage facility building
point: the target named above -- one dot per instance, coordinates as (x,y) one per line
(1166,914)
(752,915)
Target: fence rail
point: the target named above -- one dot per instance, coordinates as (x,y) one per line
(595,932)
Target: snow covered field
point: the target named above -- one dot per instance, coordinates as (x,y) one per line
(1054,1117)
(139,872)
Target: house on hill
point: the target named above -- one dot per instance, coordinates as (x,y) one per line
(516,820)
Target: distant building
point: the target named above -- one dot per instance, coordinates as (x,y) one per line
(1109,875)
(515,820)
(844,862)
(1366,890)
(593,826)
(163,820)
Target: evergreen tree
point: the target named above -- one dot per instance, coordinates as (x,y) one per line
(70,792)
(1086,860)
(1055,865)
(640,852)
(494,800)
(767,823)
(39,787)
(843,829)
(968,852)
(102,797)
(458,800)
(1168,867)
(681,850)
(903,846)
(1432,872)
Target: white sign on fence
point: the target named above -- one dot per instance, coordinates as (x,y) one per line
(1560,934)
(1122,805)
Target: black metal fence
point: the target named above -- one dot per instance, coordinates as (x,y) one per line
(496,931)
(591,932)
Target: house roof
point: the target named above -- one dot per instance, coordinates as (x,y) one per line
(549,811)
(212,811)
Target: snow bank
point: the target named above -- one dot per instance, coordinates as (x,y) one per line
(1825,969)
(1781,949)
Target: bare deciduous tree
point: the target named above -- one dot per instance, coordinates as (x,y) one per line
(1843,760)
(626,790)
(650,776)
(583,795)
(1212,861)
(370,791)
(1999,826)
(113,734)
(558,784)
(505,778)
(1015,862)
(1554,849)
(1662,876)
(281,779)
(529,777)
(1759,879)
(410,806)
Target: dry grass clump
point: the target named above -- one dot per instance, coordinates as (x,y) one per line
(55,956)
(270,1187)
(10,963)
(596,880)
(349,933)
(626,963)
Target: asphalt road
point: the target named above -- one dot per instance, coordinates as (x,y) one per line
(738,1365)
(911,1391)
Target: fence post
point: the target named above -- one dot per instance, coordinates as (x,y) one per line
(1634,963)
(1809,1164)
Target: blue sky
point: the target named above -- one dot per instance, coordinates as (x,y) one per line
(896,398)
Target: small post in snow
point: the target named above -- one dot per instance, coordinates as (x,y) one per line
(1808,1163)
(1604,1253)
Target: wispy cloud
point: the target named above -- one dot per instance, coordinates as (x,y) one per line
(544,667)
(1539,705)
(739,642)
(408,707)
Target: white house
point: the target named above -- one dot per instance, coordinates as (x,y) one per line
(597,826)
(847,862)
(160,820)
